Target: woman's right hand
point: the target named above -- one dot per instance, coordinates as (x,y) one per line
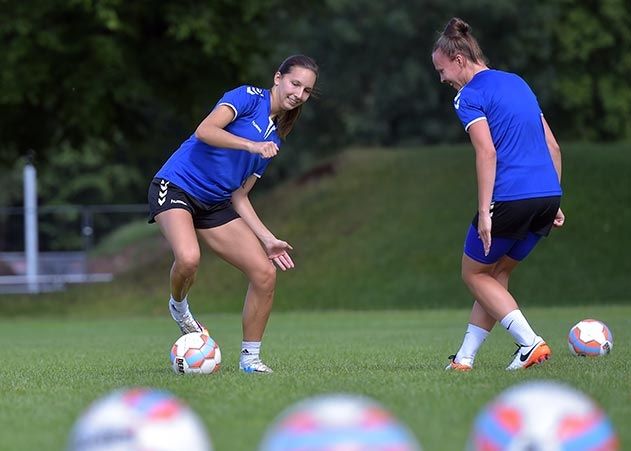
(278,252)
(266,149)
(484,231)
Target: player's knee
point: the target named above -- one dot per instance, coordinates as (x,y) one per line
(264,277)
(471,277)
(467,277)
(188,262)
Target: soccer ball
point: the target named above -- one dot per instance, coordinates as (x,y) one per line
(195,353)
(591,338)
(543,416)
(338,422)
(139,419)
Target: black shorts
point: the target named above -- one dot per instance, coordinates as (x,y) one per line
(515,218)
(164,195)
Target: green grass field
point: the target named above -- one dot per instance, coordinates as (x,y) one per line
(53,368)
(374,306)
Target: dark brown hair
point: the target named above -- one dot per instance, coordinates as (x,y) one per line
(286,119)
(456,38)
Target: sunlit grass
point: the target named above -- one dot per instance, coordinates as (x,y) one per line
(52,369)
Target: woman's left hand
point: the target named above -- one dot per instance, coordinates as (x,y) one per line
(277,251)
(559,219)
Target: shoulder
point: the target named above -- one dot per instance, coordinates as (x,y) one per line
(488,81)
(243,98)
(469,95)
(247,91)
(511,78)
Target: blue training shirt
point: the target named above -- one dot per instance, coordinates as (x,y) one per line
(211,174)
(524,166)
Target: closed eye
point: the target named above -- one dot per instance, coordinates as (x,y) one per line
(298,84)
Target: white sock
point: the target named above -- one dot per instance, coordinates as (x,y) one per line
(178,308)
(250,351)
(473,339)
(516,325)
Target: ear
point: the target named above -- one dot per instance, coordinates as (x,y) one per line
(460,60)
(277,77)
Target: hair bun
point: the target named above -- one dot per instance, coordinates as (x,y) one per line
(456,27)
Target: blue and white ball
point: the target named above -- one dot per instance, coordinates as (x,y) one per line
(338,422)
(542,416)
(195,353)
(139,419)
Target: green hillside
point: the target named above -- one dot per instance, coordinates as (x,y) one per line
(383,228)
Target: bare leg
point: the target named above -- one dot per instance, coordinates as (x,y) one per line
(480,321)
(489,289)
(489,286)
(236,243)
(177,227)
(501,272)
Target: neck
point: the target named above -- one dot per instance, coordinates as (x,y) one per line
(274,102)
(474,69)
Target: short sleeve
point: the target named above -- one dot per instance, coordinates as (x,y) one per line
(242,100)
(261,167)
(468,107)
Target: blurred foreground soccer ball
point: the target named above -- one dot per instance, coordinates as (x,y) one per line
(195,353)
(591,338)
(139,419)
(338,422)
(542,416)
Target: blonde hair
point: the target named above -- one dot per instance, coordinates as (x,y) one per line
(456,38)
(286,119)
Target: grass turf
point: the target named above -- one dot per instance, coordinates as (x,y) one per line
(53,368)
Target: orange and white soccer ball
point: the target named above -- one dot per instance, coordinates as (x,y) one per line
(591,338)
(542,415)
(195,353)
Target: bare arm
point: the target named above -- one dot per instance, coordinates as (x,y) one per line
(553,147)
(277,250)
(212,131)
(485,164)
(555,153)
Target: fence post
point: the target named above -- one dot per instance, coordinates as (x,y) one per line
(31,243)
(87,228)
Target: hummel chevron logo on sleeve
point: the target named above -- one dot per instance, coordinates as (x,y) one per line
(162,195)
(457,101)
(254,91)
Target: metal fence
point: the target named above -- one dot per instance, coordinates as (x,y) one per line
(65,236)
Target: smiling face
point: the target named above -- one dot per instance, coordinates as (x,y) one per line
(451,70)
(294,87)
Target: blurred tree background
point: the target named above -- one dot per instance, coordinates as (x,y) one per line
(104,91)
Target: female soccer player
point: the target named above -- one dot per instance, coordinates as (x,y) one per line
(202,191)
(518,165)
